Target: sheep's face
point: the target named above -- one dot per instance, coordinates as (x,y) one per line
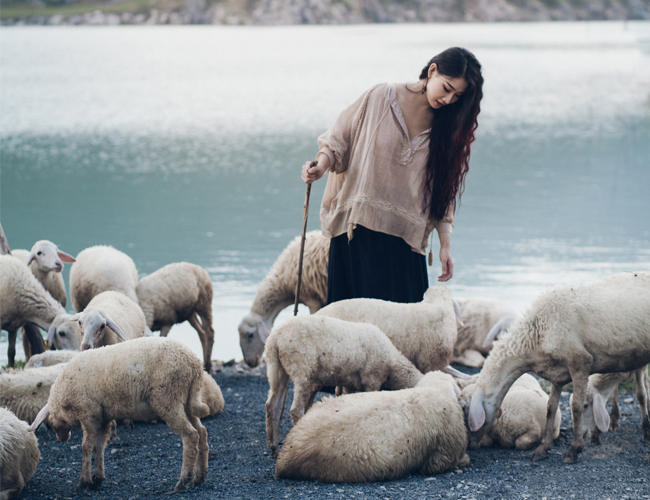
(252,337)
(93,327)
(480,414)
(61,426)
(48,257)
(67,336)
(595,417)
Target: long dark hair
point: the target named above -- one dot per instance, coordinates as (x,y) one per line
(452,131)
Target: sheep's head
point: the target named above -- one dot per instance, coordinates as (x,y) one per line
(48,257)
(595,419)
(253,333)
(479,412)
(67,336)
(94,325)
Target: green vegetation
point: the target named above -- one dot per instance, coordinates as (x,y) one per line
(18,363)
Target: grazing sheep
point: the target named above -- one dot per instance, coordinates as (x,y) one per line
(378,436)
(523,417)
(176,293)
(278,290)
(98,269)
(211,395)
(150,378)
(19,455)
(23,300)
(110,317)
(602,386)
(479,315)
(49,358)
(25,392)
(425,332)
(568,333)
(317,351)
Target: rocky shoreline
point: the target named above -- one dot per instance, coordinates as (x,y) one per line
(294,12)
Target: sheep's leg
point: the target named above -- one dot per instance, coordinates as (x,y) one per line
(206,322)
(27,347)
(551,410)
(301,395)
(90,437)
(201,466)
(100,443)
(164,330)
(112,426)
(580,380)
(279,385)
(311,399)
(615,412)
(194,321)
(642,398)
(11,350)
(596,434)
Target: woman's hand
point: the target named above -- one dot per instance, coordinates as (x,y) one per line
(445,257)
(313,173)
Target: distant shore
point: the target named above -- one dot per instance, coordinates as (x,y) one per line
(295,12)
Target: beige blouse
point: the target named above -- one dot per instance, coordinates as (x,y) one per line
(377,172)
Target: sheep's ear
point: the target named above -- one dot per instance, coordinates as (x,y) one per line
(113,326)
(457,311)
(476,417)
(455,373)
(601,417)
(65,257)
(30,258)
(40,418)
(50,334)
(263,330)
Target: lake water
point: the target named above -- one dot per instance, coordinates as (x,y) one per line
(185,143)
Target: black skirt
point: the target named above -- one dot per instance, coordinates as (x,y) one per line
(377,266)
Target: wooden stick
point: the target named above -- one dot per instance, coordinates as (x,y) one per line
(302,242)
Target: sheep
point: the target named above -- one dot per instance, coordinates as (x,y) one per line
(49,358)
(601,387)
(25,392)
(278,290)
(23,300)
(19,455)
(524,416)
(568,333)
(110,317)
(211,395)
(100,268)
(150,378)
(479,315)
(378,436)
(425,332)
(176,293)
(317,351)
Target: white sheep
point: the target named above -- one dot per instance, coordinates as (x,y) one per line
(100,268)
(568,333)
(523,417)
(110,317)
(595,420)
(278,290)
(479,316)
(316,351)
(19,455)
(378,436)
(211,395)
(46,262)
(175,293)
(25,392)
(49,358)
(425,332)
(150,378)
(23,300)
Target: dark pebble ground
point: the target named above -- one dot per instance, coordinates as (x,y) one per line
(145,462)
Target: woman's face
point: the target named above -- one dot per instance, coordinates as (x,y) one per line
(443,90)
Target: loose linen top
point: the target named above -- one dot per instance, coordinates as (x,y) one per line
(371,180)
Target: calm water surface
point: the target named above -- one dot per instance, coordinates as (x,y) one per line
(185,143)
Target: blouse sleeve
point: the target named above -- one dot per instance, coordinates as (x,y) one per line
(445,225)
(340,136)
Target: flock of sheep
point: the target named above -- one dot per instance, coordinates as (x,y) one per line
(400,407)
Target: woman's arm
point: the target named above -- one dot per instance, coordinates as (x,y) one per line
(311,174)
(445,256)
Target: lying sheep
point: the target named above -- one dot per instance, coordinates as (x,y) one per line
(19,455)
(49,358)
(568,333)
(25,392)
(425,332)
(110,317)
(600,388)
(98,269)
(176,293)
(479,315)
(378,436)
(23,300)
(523,417)
(278,290)
(211,395)
(318,351)
(150,378)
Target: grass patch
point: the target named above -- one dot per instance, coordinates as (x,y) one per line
(18,364)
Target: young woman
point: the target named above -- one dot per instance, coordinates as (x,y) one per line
(397,158)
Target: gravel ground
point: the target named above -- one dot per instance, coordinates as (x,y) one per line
(145,462)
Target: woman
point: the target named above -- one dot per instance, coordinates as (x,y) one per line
(397,158)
